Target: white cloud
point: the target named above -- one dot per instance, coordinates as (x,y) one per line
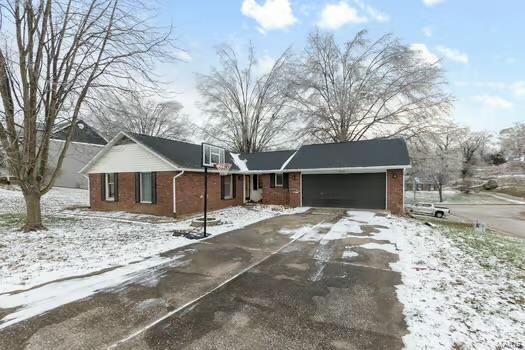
(184,56)
(335,16)
(273,14)
(372,12)
(518,88)
(431,3)
(427,31)
(424,53)
(453,54)
(493,102)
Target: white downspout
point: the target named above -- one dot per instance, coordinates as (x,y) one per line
(175,191)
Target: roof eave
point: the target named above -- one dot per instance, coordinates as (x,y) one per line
(350,169)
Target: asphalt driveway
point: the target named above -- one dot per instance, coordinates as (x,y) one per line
(263,286)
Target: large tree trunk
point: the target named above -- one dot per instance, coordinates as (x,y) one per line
(34,213)
(440,189)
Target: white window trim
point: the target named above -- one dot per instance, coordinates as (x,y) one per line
(230,195)
(140,187)
(106,184)
(282,180)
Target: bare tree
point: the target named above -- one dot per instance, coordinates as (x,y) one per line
(248,112)
(472,147)
(513,141)
(437,157)
(53,55)
(135,112)
(366,89)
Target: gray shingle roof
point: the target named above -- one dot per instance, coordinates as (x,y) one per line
(266,160)
(368,153)
(184,154)
(84,133)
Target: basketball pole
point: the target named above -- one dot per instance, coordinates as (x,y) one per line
(205,199)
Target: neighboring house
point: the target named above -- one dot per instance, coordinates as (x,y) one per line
(145,174)
(85,144)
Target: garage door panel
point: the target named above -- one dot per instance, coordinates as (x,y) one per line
(363,191)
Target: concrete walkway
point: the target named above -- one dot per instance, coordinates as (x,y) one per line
(252,288)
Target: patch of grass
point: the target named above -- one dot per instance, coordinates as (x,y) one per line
(487,246)
(11,220)
(516,191)
(16,220)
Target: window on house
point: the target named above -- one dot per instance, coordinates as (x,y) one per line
(228,187)
(146,187)
(110,187)
(255,179)
(278,180)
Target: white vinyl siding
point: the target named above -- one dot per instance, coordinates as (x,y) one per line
(146,189)
(132,158)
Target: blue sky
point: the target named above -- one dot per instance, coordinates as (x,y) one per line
(480,43)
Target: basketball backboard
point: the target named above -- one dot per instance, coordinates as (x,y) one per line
(212,155)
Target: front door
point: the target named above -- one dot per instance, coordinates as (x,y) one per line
(255,190)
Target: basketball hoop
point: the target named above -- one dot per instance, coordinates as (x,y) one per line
(223,168)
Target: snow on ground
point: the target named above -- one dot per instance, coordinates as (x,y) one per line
(453,297)
(12,201)
(80,242)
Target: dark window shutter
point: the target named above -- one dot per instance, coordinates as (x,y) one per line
(272,180)
(255,182)
(115,176)
(103,186)
(222,187)
(154,188)
(234,183)
(137,187)
(285,180)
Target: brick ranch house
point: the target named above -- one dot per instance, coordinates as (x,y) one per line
(145,174)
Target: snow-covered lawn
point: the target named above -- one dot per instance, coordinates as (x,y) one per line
(12,201)
(80,242)
(460,290)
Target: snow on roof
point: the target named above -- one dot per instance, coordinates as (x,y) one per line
(240,163)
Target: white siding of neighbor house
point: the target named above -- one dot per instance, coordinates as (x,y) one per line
(129,158)
(77,156)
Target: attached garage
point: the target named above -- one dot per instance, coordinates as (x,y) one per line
(361,191)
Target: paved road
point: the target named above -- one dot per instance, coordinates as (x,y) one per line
(252,288)
(505,218)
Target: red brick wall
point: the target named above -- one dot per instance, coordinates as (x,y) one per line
(279,195)
(394,183)
(294,181)
(190,194)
